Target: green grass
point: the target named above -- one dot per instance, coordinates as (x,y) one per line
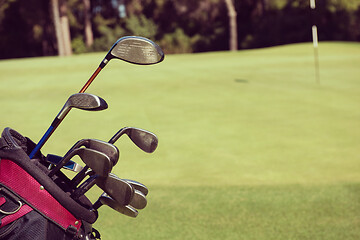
(250,146)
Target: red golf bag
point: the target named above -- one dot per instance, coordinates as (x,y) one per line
(34,206)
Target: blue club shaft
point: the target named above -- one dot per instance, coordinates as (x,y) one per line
(42,141)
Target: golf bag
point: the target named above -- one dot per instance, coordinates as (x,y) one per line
(33,205)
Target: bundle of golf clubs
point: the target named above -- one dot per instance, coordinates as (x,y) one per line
(99,157)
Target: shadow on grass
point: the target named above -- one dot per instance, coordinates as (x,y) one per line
(241,81)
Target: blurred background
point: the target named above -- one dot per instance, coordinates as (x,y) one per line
(45,28)
(259,129)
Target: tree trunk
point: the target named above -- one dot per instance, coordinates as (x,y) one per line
(233,39)
(65,27)
(89,38)
(57,25)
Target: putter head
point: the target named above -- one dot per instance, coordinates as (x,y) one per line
(145,140)
(136,50)
(84,101)
(124,209)
(107,148)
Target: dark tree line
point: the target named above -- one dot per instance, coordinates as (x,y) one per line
(50,27)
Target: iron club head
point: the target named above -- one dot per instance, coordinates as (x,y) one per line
(105,199)
(138,186)
(139,200)
(97,161)
(145,140)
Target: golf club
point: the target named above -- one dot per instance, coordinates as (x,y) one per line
(139,200)
(105,199)
(109,149)
(97,161)
(145,140)
(82,101)
(138,186)
(118,189)
(132,49)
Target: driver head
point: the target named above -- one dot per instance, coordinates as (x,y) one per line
(137,50)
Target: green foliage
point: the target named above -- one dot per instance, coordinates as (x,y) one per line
(141,26)
(347,5)
(78,45)
(108,32)
(177,42)
(179,26)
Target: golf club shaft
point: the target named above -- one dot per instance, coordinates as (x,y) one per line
(117,135)
(46,136)
(91,79)
(79,177)
(84,187)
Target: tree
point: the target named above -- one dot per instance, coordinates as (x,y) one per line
(89,38)
(233,40)
(65,27)
(62,29)
(57,26)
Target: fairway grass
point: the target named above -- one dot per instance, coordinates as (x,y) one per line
(251,146)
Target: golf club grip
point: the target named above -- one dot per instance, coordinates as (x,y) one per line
(91,79)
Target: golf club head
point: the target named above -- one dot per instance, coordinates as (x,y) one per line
(136,50)
(138,186)
(139,200)
(123,209)
(109,149)
(118,189)
(145,140)
(97,161)
(84,101)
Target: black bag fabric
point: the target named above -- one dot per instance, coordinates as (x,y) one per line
(34,206)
